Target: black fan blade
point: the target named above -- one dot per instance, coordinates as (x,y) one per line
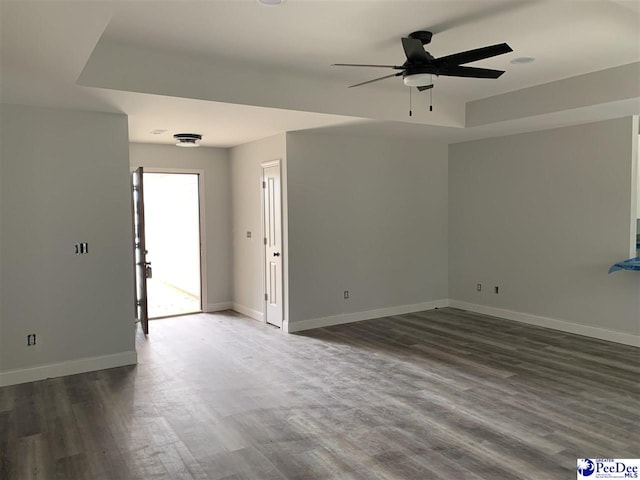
(470,72)
(414,50)
(474,55)
(376,79)
(364,65)
(426,87)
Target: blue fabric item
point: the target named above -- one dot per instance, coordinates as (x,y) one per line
(631,264)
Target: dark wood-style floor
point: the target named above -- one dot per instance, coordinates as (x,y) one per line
(443,394)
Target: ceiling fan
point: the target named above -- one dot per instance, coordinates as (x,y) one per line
(421,65)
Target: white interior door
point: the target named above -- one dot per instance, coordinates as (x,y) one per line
(272,211)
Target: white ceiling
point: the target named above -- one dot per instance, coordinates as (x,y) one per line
(44,46)
(567,38)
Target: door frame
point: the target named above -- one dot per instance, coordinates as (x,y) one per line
(203,231)
(141,313)
(263,165)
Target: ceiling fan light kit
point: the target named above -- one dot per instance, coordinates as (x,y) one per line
(417,80)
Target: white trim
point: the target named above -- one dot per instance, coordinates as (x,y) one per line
(291,327)
(204,284)
(284,203)
(218,307)
(249,312)
(562,325)
(70,367)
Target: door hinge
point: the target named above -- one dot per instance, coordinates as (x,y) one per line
(264,184)
(265,240)
(266,297)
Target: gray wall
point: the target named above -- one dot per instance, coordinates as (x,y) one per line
(217,208)
(65,179)
(638,183)
(246,174)
(366,215)
(543,215)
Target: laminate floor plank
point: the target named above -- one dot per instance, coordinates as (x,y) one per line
(437,395)
(8,446)
(75,466)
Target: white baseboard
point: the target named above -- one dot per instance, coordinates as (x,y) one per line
(291,327)
(218,307)
(71,367)
(562,325)
(249,312)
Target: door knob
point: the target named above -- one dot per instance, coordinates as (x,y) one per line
(276,254)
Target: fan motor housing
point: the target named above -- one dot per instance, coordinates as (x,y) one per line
(413,70)
(423,35)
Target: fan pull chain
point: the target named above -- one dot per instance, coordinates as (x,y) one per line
(431,94)
(410,112)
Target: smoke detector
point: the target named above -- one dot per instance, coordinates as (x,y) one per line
(187,139)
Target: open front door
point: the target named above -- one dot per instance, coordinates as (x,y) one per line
(142,267)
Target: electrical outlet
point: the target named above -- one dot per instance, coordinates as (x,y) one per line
(346,294)
(82,248)
(248,234)
(31,340)
(479,287)
(496,290)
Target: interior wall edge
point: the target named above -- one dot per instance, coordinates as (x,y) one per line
(249,312)
(553,323)
(218,307)
(71,367)
(521,317)
(290,327)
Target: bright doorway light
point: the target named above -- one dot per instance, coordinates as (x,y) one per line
(172,224)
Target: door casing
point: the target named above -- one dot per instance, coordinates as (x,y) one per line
(281,321)
(203,236)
